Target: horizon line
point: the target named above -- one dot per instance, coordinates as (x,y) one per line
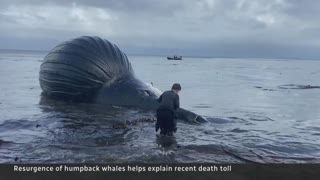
(188,56)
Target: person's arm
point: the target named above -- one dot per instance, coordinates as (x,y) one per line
(175,125)
(176,102)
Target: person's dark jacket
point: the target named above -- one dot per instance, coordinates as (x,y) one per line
(169,100)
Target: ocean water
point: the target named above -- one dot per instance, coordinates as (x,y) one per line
(259,110)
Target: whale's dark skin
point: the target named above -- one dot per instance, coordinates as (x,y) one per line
(94,70)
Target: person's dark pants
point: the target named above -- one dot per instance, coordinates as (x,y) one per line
(166,122)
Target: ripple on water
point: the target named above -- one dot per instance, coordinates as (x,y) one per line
(201,106)
(3,142)
(238,130)
(255,117)
(8,125)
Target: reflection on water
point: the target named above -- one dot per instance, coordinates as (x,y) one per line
(256,112)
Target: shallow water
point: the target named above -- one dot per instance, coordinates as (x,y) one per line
(259,111)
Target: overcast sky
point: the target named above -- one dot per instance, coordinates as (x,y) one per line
(220,28)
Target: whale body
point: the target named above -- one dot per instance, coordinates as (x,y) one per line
(94,70)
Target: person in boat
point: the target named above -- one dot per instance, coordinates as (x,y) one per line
(166,116)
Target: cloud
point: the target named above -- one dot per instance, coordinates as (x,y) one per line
(225,27)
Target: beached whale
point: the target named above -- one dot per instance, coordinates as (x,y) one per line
(91,69)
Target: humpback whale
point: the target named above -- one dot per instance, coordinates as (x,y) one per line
(94,70)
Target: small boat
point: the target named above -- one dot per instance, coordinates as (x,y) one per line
(175,58)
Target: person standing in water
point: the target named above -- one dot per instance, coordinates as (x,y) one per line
(166,118)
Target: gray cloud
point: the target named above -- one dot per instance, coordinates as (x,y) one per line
(230,28)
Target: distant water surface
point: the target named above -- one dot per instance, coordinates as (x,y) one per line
(260,110)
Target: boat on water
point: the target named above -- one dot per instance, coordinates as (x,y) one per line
(175,58)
